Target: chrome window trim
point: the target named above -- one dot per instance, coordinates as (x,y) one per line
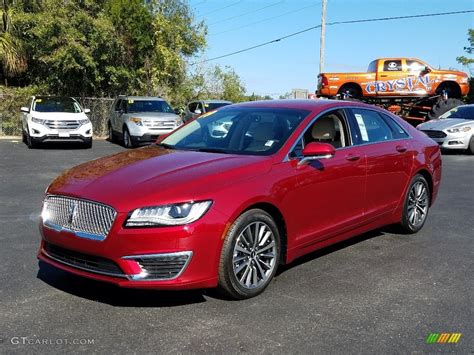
(83,268)
(288,158)
(142,275)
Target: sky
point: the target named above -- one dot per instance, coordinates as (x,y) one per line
(294,63)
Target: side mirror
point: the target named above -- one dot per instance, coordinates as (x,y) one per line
(197,111)
(315,151)
(426,69)
(86,111)
(25,109)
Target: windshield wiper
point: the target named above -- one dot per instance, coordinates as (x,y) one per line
(211,150)
(167,146)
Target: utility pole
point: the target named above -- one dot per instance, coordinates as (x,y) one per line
(323,35)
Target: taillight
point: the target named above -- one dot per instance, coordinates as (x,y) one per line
(323,80)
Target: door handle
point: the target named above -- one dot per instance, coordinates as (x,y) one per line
(383,75)
(401,148)
(352,157)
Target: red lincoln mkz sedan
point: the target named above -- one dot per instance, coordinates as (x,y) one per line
(226,198)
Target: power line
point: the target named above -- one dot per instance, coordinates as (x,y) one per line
(245,13)
(222,8)
(333,24)
(264,20)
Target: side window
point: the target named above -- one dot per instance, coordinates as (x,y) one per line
(372,126)
(392,65)
(398,131)
(330,128)
(192,107)
(415,66)
(372,67)
(199,107)
(117,105)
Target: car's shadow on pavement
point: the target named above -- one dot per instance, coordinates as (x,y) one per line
(124,297)
(114,295)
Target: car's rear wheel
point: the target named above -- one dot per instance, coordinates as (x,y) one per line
(250,255)
(127,140)
(417,204)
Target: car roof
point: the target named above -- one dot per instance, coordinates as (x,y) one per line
(138,98)
(309,104)
(53,97)
(216,101)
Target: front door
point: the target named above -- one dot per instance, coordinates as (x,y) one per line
(329,193)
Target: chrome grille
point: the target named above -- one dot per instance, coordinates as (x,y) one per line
(84,218)
(435,134)
(159,124)
(61,124)
(82,261)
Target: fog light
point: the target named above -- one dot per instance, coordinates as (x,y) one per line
(35,131)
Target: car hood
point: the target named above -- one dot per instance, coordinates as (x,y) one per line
(444,123)
(154,175)
(154,116)
(63,116)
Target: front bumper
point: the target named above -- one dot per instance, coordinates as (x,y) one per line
(129,248)
(148,134)
(454,141)
(40,133)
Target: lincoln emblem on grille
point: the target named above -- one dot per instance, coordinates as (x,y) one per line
(72,212)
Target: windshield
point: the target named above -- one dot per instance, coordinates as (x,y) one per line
(149,106)
(214,105)
(56,104)
(465,112)
(238,130)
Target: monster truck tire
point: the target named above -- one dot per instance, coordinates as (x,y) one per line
(443,106)
(353,90)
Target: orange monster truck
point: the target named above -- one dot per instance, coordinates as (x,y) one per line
(406,86)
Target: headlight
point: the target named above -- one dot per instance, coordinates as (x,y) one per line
(37,120)
(84,121)
(136,120)
(168,215)
(459,129)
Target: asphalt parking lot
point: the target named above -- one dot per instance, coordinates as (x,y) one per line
(380,292)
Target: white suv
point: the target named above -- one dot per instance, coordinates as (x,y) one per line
(141,119)
(55,119)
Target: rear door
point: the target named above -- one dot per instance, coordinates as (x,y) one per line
(389,153)
(115,116)
(390,77)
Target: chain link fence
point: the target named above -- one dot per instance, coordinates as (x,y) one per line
(10,115)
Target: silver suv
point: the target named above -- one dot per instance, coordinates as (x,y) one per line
(140,119)
(196,108)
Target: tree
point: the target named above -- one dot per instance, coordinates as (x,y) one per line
(12,55)
(468,62)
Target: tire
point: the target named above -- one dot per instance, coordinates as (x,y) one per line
(30,142)
(88,144)
(443,106)
(111,136)
(127,139)
(23,136)
(470,149)
(246,268)
(352,90)
(417,201)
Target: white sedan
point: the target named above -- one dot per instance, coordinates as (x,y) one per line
(453,130)
(55,119)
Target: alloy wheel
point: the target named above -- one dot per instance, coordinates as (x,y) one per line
(254,255)
(418,204)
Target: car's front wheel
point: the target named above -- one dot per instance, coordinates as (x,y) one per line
(127,139)
(417,204)
(29,140)
(250,255)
